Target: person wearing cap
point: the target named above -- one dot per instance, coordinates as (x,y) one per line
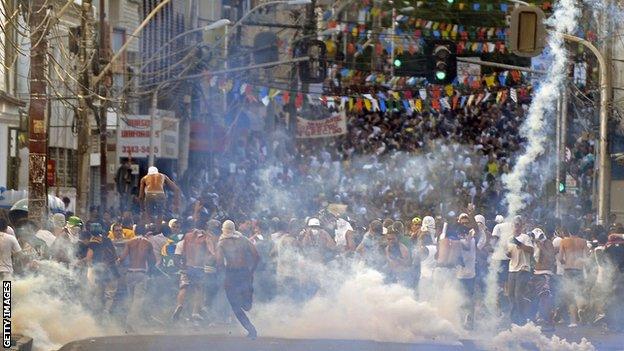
(65,244)
(545,257)
(316,242)
(520,252)
(152,193)
(239,258)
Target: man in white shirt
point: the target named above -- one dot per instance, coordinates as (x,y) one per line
(520,251)
(8,247)
(502,233)
(467,272)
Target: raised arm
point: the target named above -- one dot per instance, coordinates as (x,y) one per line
(142,189)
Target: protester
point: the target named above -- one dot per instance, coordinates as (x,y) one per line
(8,247)
(140,252)
(545,266)
(520,251)
(573,256)
(239,258)
(152,192)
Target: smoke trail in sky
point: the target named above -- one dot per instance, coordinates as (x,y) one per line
(542,110)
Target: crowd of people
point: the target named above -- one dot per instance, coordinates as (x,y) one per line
(390,194)
(548,272)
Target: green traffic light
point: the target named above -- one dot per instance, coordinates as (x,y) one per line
(440,75)
(450,1)
(397,63)
(561,187)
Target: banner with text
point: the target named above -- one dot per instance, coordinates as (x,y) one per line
(328,127)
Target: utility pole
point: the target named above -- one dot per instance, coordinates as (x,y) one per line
(37,131)
(104,57)
(82,115)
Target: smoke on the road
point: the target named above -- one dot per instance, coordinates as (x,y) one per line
(355,303)
(530,337)
(47,310)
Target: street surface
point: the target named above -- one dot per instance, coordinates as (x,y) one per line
(222,340)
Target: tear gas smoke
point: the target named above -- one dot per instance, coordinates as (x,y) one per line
(539,121)
(530,337)
(536,128)
(46,310)
(352,301)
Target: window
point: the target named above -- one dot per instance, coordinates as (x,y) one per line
(118,39)
(66,166)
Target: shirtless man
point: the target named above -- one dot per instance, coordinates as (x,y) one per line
(316,242)
(152,191)
(573,254)
(237,255)
(197,251)
(141,258)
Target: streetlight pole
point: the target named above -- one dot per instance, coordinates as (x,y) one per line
(604,167)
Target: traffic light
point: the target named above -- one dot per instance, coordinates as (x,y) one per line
(315,69)
(562,187)
(442,61)
(526,31)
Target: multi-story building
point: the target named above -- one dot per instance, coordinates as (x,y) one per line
(12,113)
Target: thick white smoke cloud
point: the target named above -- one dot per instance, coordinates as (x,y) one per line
(46,309)
(542,110)
(530,337)
(354,302)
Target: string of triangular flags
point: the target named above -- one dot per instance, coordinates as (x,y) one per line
(431,97)
(460,5)
(463,81)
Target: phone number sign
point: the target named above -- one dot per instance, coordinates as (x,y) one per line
(133,138)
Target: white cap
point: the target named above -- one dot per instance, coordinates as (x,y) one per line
(479,219)
(539,234)
(499,219)
(314,222)
(152,170)
(172,222)
(228,226)
(428,222)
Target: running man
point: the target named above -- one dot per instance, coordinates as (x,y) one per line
(238,256)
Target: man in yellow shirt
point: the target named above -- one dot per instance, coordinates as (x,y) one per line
(119,233)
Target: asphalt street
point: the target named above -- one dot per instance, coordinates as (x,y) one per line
(227,342)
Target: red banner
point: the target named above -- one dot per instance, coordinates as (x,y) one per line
(328,127)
